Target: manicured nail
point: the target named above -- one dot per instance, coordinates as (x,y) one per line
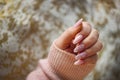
(78,23)
(78,39)
(78,62)
(81,55)
(79,48)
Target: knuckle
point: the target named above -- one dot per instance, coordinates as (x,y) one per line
(89,51)
(92,59)
(95,58)
(86,29)
(93,38)
(96,32)
(87,24)
(88,43)
(99,45)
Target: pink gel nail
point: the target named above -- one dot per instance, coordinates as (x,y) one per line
(77,39)
(78,62)
(81,55)
(78,23)
(79,48)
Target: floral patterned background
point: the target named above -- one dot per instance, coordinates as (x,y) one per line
(28,27)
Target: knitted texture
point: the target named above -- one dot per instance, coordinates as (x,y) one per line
(60,66)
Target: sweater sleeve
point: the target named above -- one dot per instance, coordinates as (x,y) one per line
(60,66)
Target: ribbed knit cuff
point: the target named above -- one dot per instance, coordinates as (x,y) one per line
(62,64)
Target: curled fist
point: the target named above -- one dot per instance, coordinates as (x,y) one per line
(81,40)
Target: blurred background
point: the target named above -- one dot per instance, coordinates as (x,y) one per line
(28,28)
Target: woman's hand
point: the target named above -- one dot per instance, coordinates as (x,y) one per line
(82,40)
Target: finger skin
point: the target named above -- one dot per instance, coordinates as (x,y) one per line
(91,39)
(91,51)
(91,59)
(94,49)
(68,35)
(86,30)
(88,41)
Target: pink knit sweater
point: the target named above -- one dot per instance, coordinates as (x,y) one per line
(60,66)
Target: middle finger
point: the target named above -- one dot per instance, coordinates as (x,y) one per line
(87,42)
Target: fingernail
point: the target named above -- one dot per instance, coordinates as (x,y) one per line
(79,48)
(78,23)
(78,62)
(81,55)
(78,39)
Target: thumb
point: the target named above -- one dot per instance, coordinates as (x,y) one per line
(68,35)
